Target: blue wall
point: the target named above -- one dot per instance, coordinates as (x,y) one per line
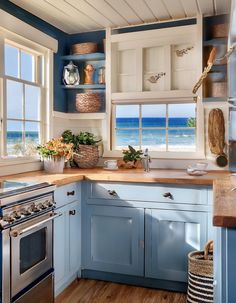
(59,93)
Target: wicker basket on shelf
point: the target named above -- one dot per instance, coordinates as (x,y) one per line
(89,102)
(87,157)
(84,48)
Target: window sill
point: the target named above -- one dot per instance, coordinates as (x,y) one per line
(162,155)
(19,165)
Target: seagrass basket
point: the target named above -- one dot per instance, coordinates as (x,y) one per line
(200,275)
(87,157)
(89,102)
(84,48)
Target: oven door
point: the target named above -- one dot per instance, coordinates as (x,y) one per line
(31,251)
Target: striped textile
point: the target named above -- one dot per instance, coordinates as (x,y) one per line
(200,289)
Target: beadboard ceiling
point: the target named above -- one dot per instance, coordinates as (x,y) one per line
(74,16)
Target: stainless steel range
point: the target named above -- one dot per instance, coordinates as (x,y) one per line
(26,220)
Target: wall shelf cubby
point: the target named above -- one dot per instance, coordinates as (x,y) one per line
(97,60)
(85,86)
(85,57)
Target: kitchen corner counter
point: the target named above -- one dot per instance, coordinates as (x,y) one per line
(224,210)
(122,175)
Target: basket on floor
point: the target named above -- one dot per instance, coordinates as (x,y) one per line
(87,156)
(200,276)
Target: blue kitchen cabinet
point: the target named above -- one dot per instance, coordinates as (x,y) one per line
(169,236)
(114,238)
(224,265)
(67,244)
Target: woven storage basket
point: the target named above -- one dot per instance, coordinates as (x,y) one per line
(84,48)
(87,157)
(200,276)
(89,102)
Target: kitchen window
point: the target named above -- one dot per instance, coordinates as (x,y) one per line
(158,127)
(23,100)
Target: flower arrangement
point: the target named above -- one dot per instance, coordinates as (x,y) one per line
(56,148)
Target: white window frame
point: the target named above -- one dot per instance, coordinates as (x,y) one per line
(200,130)
(46,79)
(147,97)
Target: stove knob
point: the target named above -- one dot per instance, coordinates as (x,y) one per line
(49,203)
(26,212)
(44,206)
(16,215)
(8,219)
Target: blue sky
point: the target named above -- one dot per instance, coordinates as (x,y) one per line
(175,110)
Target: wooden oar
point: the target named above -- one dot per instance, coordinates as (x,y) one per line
(210,62)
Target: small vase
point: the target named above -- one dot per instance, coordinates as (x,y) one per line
(54,165)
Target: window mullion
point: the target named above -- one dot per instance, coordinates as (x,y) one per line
(24,118)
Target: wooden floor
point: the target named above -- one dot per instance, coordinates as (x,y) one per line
(91,291)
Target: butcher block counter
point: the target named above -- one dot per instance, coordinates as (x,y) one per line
(224,211)
(122,175)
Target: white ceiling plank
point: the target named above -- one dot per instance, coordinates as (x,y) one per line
(105,9)
(190,7)
(91,12)
(222,6)
(125,10)
(142,10)
(206,7)
(40,9)
(175,8)
(158,9)
(75,16)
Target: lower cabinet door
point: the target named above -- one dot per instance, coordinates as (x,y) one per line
(61,243)
(170,235)
(115,239)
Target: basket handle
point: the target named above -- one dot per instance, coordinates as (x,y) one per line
(208,248)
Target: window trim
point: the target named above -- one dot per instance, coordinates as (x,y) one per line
(43,80)
(198,154)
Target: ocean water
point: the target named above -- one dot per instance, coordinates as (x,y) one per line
(178,139)
(15,145)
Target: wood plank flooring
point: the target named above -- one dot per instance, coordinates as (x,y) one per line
(91,291)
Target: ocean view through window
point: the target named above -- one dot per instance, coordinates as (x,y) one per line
(159,127)
(22,86)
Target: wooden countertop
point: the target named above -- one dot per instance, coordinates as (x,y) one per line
(121,175)
(224,209)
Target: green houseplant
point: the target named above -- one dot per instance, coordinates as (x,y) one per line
(85,144)
(131,158)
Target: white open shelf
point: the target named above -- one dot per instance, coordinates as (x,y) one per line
(79,116)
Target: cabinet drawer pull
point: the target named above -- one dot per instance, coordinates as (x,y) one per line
(71,193)
(168,195)
(72,212)
(112,193)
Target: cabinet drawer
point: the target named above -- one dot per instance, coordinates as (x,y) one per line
(66,194)
(146,192)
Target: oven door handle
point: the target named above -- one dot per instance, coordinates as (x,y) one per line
(16,233)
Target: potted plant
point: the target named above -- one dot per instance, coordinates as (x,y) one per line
(54,153)
(131,158)
(85,144)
